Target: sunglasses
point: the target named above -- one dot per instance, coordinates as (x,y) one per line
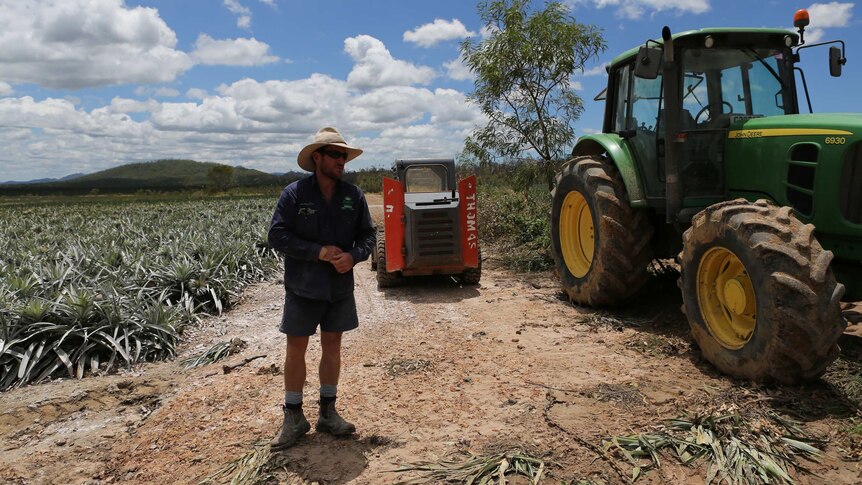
(334,154)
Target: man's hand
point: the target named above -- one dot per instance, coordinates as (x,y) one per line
(327,253)
(343,262)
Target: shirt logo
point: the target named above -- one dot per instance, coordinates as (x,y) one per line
(347,204)
(306,209)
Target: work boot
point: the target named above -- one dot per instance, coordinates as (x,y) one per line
(294,426)
(330,422)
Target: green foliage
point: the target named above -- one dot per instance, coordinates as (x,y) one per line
(220,177)
(87,287)
(369,180)
(517,223)
(215,353)
(523,81)
(750,446)
(855,427)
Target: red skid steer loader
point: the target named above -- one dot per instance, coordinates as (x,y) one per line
(430,224)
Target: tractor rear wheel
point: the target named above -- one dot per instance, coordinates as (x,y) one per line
(758,292)
(384,278)
(601,245)
(471,276)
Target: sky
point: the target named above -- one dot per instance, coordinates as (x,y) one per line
(87,85)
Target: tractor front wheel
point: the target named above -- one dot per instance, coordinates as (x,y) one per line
(758,292)
(601,245)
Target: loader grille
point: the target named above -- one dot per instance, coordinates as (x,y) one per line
(851,185)
(436,233)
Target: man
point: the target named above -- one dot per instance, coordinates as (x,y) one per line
(323,227)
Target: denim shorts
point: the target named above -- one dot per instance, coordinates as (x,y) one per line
(301,316)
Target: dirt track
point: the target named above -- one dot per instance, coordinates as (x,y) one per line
(434,368)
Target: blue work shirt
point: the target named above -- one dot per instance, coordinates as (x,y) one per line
(303,223)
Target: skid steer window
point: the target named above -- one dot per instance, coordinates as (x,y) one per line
(426,178)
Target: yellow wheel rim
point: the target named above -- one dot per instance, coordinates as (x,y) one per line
(726,298)
(577,237)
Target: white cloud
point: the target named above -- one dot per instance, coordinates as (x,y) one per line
(456,70)
(61,116)
(266,122)
(375,67)
(600,70)
(450,107)
(5,89)
(391,105)
(125,105)
(410,142)
(486,31)
(292,106)
(636,9)
(832,14)
(196,93)
(166,92)
(812,36)
(231,52)
(242,12)
(79,43)
(436,32)
(576,85)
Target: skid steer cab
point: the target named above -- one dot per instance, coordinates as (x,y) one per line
(430,224)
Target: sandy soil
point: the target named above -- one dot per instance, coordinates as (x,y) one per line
(434,369)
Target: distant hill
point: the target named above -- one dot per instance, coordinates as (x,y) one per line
(41,181)
(161,175)
(167,174)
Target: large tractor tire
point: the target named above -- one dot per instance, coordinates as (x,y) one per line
(601,245)
(471,276)
(758,292)
(384,278)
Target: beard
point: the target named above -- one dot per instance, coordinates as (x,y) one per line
(334,172)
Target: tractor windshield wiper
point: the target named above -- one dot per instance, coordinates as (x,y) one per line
(769,68)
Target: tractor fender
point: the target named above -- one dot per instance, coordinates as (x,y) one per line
(621,156)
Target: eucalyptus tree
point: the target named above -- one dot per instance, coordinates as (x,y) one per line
(523,70)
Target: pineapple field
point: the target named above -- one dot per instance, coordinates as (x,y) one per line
(86,288)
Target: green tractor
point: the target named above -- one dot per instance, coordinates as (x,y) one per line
(705,157)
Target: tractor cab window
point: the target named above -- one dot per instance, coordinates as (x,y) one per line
(426,178)
(725,83)
(622,101)
(637,104)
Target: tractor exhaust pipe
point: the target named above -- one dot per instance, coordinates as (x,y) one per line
(673,140)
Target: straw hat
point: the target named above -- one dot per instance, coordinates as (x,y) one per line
(326,136)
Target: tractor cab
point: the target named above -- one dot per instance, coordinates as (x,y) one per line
(724,77)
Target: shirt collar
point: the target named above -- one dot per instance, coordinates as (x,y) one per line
(339,184)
